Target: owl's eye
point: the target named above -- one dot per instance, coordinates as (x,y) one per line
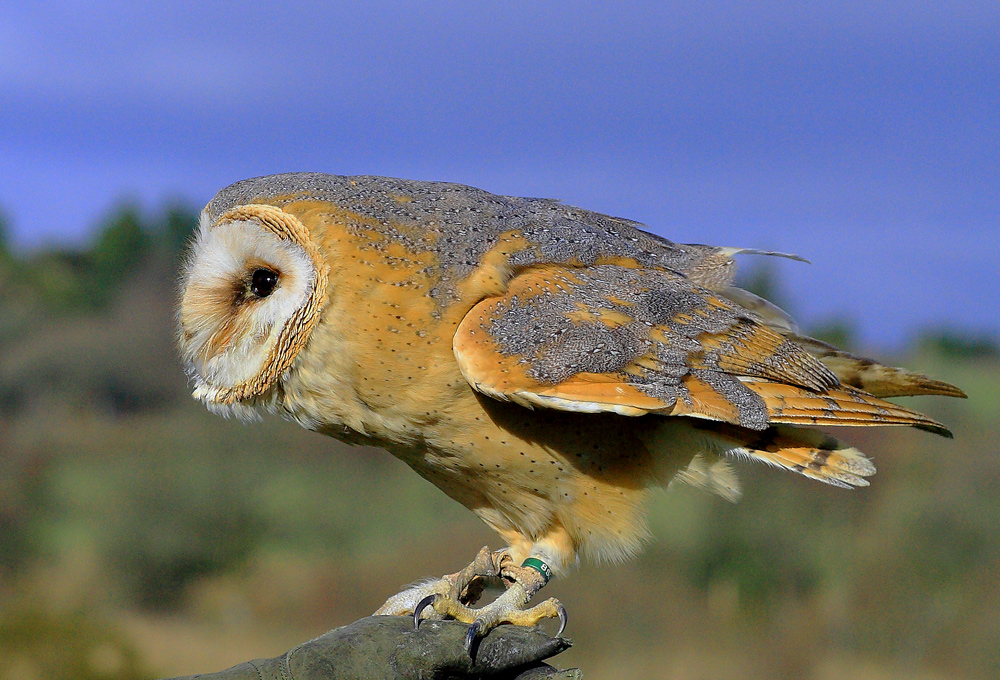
(263,282)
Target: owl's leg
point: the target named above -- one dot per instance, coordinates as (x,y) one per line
(522,583)
(465,586)
(450,596)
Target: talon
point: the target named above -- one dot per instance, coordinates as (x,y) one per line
(450,596)
(471,635)
(421,606)
(563,620)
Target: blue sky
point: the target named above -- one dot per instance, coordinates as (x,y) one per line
(863,136)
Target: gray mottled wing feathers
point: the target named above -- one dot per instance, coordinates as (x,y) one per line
(634,341)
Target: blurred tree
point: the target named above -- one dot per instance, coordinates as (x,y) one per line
(65,280)
(5,254)
(839,332)
(120,248)
(179,224)
(23,500)
(956,345)
(7,265)
(6,278)
(741,548)
(57,279)
(170,537)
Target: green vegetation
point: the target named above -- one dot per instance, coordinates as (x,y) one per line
(137,530)
(36,644)
(953,345)
(64,281)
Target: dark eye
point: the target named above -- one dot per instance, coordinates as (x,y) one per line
(262,282)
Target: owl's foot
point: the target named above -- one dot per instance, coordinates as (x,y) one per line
(465,586)
(505,609)
(451,596)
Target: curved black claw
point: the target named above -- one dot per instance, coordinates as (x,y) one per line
(421,606)
(563,620)
(471,635)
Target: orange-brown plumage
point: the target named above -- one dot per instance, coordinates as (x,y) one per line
(544,365)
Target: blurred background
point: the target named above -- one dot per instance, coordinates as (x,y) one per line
(140,536)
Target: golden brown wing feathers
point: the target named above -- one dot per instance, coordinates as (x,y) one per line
(634,341)
(839,406)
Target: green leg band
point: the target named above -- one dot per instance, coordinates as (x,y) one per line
(539,566)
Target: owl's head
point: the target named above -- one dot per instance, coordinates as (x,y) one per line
(253,287)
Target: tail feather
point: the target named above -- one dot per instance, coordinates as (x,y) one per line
(872,377)
(810,453)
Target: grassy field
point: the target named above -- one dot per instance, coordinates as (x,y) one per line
(140,536)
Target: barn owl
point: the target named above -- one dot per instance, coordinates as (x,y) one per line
(544,365)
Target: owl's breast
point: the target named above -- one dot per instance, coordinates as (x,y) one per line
(380,362)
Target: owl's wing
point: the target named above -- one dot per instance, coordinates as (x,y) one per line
(715,269)
(636,341)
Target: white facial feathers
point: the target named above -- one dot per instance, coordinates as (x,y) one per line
(243,288)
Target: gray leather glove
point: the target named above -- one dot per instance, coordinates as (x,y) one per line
(388,648)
